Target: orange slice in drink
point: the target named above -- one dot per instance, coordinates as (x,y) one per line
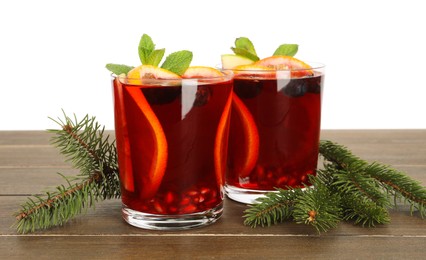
(121,133)
(221,143)
(245,163)
(254,71)
(149,144)
(144,73)
(201,72)
(297,67)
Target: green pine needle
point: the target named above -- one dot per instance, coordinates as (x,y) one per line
(363,211)
(84,145)
(401,186)
(317,206)
(272,209)
(392,181)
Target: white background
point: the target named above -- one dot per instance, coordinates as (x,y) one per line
(53,53)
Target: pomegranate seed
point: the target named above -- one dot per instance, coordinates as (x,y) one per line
(169,197)
(201,199)
(192,193)
(282,180)
(158,207)
(185,201)
(204,190)
(190,208)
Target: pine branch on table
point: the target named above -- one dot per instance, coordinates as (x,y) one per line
(348,188)
(84,145)
(393,182)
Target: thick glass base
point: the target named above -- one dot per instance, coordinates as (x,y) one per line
(171,222)
(244,195)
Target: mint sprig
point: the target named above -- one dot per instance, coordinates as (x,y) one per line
(244,47)
(145,48)
(155,57)
(118,69)
(178,62)
(147,52)
(286,49)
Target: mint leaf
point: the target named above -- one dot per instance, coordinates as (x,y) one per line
(145,48)
(155,57)
(246,44)
(244,47)
(178,62)
(287,50)
(118,69)
(245,53)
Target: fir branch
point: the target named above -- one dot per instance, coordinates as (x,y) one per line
(401,186)
(364,211)
(56,207)
(271,209)
(397,183)
(362,198)
(348,188)
(84,145)
(317,206)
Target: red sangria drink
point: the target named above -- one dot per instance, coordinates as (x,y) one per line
(171,134)
(275,126)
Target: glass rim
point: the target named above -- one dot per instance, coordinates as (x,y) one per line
(313,66)
(226,76)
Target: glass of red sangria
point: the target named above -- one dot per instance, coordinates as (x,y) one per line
(172,134)
(275,124)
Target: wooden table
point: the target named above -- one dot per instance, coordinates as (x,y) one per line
(28,164)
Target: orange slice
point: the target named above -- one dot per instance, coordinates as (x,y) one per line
(298,68)
(201,72)
(123,146)
(253,70)
(221,143)
(147,130)
(138,74)
(248,160)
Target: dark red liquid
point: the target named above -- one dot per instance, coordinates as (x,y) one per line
(287,118)
(189,117)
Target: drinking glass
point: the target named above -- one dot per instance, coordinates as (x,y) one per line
(274,131)
(172,142)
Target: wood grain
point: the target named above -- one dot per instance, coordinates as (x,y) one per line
(29,165)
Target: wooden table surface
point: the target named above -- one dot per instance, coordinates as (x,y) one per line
(28,165)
